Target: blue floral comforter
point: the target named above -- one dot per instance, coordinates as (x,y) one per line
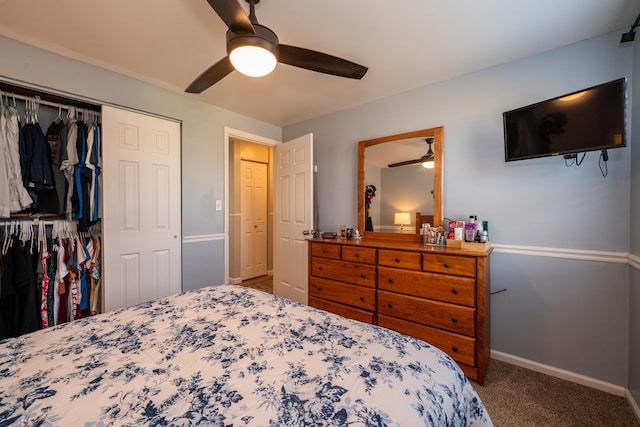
(229,356)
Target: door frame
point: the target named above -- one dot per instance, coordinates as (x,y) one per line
(230,133)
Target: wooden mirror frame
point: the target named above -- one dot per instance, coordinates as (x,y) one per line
(438,147)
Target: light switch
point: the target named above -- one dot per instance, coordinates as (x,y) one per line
(218,205)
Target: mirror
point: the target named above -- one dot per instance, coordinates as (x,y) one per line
(405,187)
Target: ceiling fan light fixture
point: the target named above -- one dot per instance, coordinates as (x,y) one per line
(253,61)
(428,163)
(428,160)
(253,54)
(254,50)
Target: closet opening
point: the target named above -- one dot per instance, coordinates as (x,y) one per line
(50,213)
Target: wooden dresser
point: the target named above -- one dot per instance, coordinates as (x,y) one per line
(437,294)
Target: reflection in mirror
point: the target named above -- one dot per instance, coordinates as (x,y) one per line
(392,181)
(401,186)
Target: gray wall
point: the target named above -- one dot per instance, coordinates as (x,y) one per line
(567,298)
(634,294)
(202,142)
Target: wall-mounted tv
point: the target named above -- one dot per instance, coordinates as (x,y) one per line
(586,120)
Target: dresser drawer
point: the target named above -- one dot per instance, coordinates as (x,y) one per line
(341,309)
(357,296)
(350,272)
(441,287)
(356,254)
(325,250)
(454,318)
(462,349)
(400,259)
(449,264)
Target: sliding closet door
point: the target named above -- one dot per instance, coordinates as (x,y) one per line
(141,208)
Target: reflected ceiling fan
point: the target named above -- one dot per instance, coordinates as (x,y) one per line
(427,160)
(247,36)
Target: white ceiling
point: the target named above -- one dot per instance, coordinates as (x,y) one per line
(405,43)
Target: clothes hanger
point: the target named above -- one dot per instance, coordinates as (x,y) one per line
(5,243)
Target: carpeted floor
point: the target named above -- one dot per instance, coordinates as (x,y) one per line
(262,283)
(516,396)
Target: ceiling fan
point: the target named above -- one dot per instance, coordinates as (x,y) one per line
(245,32)
(426,160)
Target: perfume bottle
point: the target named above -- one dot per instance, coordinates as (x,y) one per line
(470,229)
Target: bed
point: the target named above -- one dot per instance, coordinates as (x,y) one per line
(230,356)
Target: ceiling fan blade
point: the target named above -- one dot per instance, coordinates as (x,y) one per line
(233,15)
(211,76)
(405,163)
(320,62)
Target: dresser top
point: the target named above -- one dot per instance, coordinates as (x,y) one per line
(406,246)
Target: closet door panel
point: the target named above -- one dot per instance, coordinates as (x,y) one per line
(130,277)
(141,181)
(129,196)
(160,197)
(162,268)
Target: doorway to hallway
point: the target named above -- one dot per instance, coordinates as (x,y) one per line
(250,210)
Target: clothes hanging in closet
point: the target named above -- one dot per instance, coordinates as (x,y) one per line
(55,173)
(36,165)
(14,197)
(47,277)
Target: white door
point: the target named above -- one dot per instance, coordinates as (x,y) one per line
(253,227)
(141,208)
(293,213)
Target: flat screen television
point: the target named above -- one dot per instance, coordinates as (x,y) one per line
(586,120)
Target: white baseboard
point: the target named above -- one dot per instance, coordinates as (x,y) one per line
(634,405)
(560,373)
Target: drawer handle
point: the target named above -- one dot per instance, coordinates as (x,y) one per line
(454,319)
(362,275)
(362,299)
(454,290)
(390,305)
(390,280)
(320,268)
(454,349)
(324,251)
(357,255)
(319,288)
(446,265)
(397,259)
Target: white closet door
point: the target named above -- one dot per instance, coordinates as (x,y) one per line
(141,222)
(254,219)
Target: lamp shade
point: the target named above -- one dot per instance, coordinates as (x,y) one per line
(402,218)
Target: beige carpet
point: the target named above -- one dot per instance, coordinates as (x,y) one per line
(518,397)
(515,396)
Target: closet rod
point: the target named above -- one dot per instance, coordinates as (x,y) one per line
(33,221)
(41,101)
